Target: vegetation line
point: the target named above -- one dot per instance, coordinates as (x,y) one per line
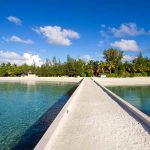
(112,66)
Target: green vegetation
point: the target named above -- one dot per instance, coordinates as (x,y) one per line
(113,66)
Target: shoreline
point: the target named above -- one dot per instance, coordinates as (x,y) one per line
(41,79)
(103,81)
(135,81)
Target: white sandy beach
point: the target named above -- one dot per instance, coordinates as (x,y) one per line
(123,81)
(96,122)
(102,81)
(44,79)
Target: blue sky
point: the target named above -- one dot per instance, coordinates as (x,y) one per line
(32,30)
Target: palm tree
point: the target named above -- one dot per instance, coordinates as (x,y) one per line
(102,66)
(110,66)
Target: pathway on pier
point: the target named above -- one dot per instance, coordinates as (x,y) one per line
(96,122)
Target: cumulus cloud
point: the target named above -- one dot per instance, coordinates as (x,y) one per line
(15,58)
(124,30)
(14,20)
(30,59)
(17,39)
(86,58)
(56,35)
(128,29)
(126,45)
(128,58)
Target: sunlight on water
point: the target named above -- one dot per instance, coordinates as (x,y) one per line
(21,106)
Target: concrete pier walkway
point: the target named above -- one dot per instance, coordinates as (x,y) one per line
(96,122)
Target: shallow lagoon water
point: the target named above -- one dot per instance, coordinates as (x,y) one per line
(138,96)
(27,109)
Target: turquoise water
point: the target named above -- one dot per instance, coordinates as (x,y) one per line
(27,109)
(139,96)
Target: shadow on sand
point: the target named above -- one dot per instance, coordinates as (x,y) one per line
(35,132)
(145,126)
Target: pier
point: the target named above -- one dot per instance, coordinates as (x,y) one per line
(92,120)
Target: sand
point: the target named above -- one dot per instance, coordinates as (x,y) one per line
(103,81)
(34,79)
(96,122)
(123,81)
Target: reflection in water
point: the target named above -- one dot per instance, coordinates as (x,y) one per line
(139,96)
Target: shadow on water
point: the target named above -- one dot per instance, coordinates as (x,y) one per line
(35,132)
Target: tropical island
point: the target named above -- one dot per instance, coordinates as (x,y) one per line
(112,66)
(74,75)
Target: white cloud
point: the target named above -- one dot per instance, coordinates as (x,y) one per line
(30,59)
(128,29)
(86,58)
(17,39)
(57,36)
(126,45)
(10,55)
(15,20)
(37,30)
(15,58)
(128,58)
(124,30)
